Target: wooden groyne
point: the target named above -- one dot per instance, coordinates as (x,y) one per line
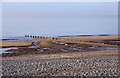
(34,36)
(40,37)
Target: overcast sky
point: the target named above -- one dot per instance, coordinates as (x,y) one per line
(59,18)
(60,0)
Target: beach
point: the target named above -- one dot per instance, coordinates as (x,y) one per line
(59,39)
(5,44)
(62,56)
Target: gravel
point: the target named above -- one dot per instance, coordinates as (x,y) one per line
(105,66)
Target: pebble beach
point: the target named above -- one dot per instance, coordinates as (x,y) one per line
(99,66)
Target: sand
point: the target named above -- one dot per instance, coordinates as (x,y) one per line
(14,43)
(64,55)
(45,42)
(94,38)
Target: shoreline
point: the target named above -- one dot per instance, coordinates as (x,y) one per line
(92,43)
(63,57)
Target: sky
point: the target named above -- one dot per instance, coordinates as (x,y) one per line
(59,18)
(0,20)
(59,0)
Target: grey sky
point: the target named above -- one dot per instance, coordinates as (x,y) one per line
(59,18)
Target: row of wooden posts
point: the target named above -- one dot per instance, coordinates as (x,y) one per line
(33,36)
(41,37)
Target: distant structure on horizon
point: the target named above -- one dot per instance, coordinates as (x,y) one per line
(33,36)
(41,37)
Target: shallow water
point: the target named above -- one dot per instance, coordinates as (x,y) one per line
(107,48)
(2,50)
(15,39)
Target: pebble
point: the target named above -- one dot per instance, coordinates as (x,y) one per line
(61,67)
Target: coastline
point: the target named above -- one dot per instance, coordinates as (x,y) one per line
(91,42)
(64,56)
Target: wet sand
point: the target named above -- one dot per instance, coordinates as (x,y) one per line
(81,40)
